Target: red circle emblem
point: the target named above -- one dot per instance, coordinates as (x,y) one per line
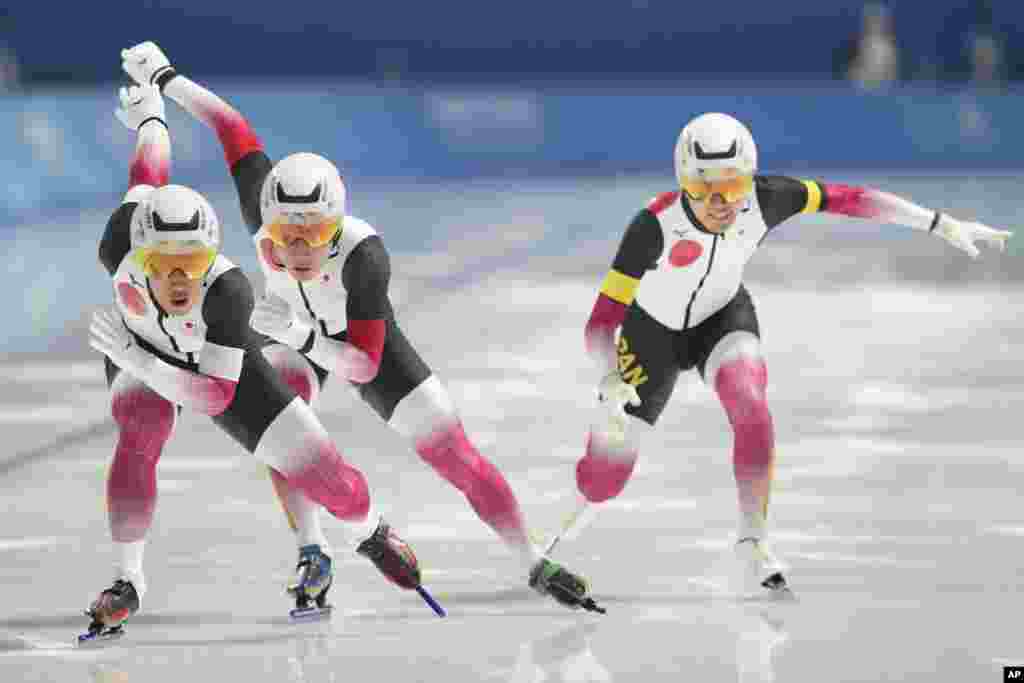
(685,252)
(132,299)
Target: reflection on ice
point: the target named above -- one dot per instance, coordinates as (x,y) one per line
(759,632)
(309,662)
(564,656)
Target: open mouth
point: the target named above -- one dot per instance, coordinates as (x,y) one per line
(178,300)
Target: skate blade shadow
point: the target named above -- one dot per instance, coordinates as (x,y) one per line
(79,621)
(705,599)
(518,602)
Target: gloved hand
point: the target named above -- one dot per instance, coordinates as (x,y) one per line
(145,63)
(273,317)
(613,394)
(140,104)
(963,234)
(109,335)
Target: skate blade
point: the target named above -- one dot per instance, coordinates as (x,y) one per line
(306,615)
(431,602)
(99,638)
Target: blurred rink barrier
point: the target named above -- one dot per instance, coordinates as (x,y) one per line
(64,149)
(600,151)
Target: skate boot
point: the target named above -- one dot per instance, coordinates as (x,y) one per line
(760,569)
(392,556)
(110,611)
(550,578)
(396,561)
(314,574)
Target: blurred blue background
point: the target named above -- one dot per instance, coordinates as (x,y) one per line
(446,95)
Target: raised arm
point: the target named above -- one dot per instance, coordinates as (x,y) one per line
(141,110)
(781,197)
(638,252)
(243,151)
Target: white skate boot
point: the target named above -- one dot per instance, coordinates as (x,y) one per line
(760,571)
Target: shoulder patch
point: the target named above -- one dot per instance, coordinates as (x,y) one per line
(662,202)
(133,298)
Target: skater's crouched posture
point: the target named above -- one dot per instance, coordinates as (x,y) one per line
(674,301)
(327,311)
(180,338)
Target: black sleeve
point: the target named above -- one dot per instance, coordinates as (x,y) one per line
(641,245)
(249,173)
(227,309)
(117,238)
(781,197)
(365,275)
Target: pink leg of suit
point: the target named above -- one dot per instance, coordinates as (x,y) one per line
(602,473)
(146,420)
(740,385)
(325,472)
(326,478)
(449,451)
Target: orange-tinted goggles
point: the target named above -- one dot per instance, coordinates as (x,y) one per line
(314,233)
(732,189)
(194,264)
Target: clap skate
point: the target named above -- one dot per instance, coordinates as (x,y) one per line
(550,578)
(396,561)
(761,572)
(313,578)
(109,612)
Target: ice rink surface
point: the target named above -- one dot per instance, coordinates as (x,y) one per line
(895,382)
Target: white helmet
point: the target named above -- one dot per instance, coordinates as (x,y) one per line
(177,219)
(713,142)
(301,184)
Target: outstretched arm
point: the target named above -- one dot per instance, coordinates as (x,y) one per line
(781,197)
(243,151)
(638,252)
(862,202)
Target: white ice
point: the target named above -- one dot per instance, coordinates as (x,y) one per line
(896,386)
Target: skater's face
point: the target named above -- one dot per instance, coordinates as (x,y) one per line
(715,213)
(302,261)
(176,292)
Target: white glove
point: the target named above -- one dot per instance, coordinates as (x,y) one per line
(273,317)
(963,234)
(138,105)
(614,394)
(109,335)
(145,62)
